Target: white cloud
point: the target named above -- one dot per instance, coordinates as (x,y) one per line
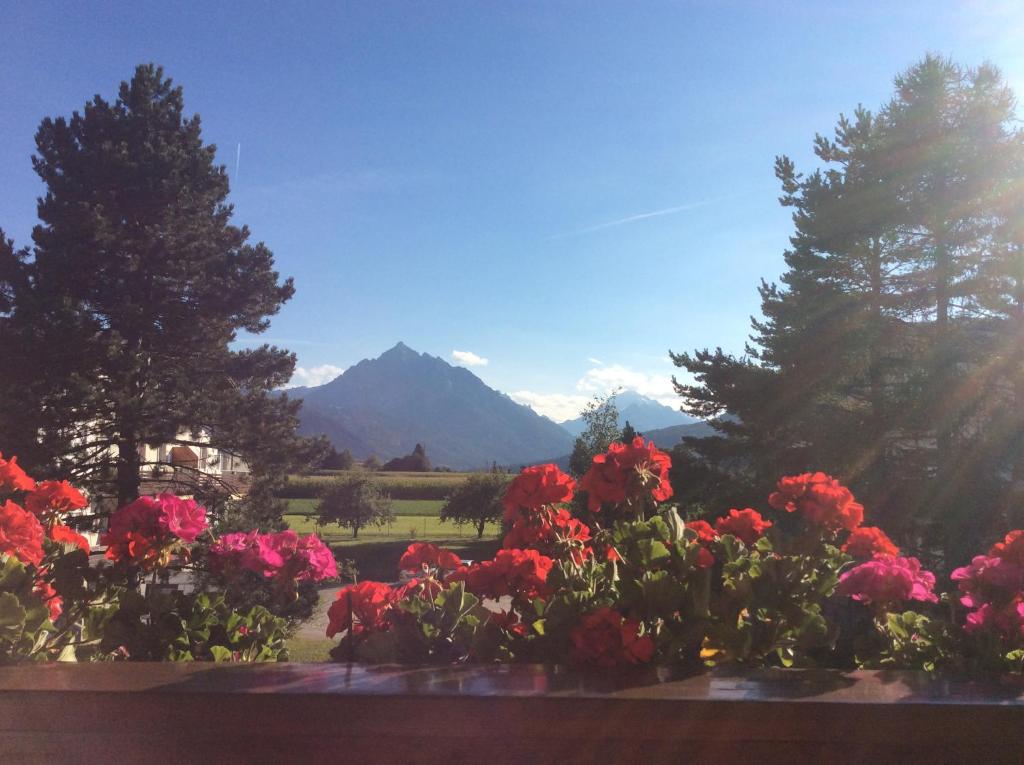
(601,380)
(558,406)
(469,359)
(593,360)
(604,380)
(313,376)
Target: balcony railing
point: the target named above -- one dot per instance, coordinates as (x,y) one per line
(168,713)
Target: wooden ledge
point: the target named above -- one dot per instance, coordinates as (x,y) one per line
(113,713)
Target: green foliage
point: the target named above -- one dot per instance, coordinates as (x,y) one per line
(26,631)
(426,629)
(179,627)
(335,460)
(354,503)
(477,501)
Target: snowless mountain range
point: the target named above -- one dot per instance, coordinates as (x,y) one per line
(385,406)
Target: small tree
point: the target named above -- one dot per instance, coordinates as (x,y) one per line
(336,460)
(372,463)
(628,434)
(602,418)
(354,503)
(476,501)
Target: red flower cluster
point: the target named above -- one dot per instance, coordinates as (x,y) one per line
(520,573)
(12,477)
(821,499)
(746,525)
(887,580)
(53,497)
(143,532)
(21,534)
(423,555)
(705,533)
(607,639)
(536,487)
(552,533)
(627,473)
(869,541)
(1011,548)
(362,606)
(283,555)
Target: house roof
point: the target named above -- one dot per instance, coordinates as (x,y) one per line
(183,455)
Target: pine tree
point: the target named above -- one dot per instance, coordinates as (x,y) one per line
(874,360)
(136,286)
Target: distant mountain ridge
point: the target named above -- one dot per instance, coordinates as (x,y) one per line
(641,412)
(385,406)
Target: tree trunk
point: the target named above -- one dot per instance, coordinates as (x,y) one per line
(944,382)
(127,471)
(480,529)
(875,381)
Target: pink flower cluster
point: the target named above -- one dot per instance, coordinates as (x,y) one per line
(283,555)
(888,580)
(993,585)
(143,532)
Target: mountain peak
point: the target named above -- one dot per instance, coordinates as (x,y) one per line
(399,349)
(385,406)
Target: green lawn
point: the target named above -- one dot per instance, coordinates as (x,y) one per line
(376,551)
(408,527)
(404,507)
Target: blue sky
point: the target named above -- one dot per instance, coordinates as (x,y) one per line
(565,189)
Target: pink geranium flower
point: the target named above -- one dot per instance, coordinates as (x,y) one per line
(888,579)
(184,518)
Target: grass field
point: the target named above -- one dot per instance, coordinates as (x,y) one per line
(377,550)
(403,507)
(400,485)
(407,527)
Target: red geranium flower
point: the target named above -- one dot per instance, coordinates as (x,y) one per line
(552,534)
(747,525)
(64,535)
(51,497)
(627,472)
(536,487)
(705,533)
(821,499)
(45,592)
(605,638)
(704,558)
(1011,548)
(868,541)
(427,589)
(12,477)
(370,603)
(421,555)
(520,573)
(21,534)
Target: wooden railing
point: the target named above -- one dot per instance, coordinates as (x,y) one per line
(313,713)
